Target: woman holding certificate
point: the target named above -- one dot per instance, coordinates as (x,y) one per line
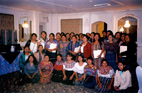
(110,53)
(51,46)
(85,48)
(97,50)
(73,47)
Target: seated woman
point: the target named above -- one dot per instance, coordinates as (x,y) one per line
(90,74)
(45,70)
(58,70)
(79,71)
(39,55)
(122,79)
(23,58)
(105,77)
(68,72)
(31,70)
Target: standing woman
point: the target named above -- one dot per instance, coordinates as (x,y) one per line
(122,79)
(85,48)
(72,45)
(118,37)
(122,38)
(39,55)
(79,71)
(43,38)
(51,52)
(68,70)
(58,70)
(31,70)
(45,70)
(90,74)
(92,37)
(63,47)
(32,44)
(110,52)
(105,77)
(68,37)
(77,36)
(97,45)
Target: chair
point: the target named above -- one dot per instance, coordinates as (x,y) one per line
(139,77)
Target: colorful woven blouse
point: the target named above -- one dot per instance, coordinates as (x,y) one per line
(91,71)
(58,65)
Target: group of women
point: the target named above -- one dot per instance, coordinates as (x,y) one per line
(70,59)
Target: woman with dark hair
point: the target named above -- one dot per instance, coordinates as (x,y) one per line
(104,38)
(79,71)
(58,70)
(23,58)
(68,37)
(122,38)
(77,36)
(71,34)
(105,77)
(71,47)
(85,48)
(43,38)
(118,37)
(110,52)
(68,70)
(130,55)
(58,37)
(63,47)
(39,55)
(31,70)
(90,74)
(45,70)
(51,47)
(122,79)
(92,37)
(97,45)
(32,43)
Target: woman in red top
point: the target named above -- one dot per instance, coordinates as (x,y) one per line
(85,48)
(58,67)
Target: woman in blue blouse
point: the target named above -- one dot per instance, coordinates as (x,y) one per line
(31,70)
(72,45)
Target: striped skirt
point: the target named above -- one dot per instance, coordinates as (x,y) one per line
(105,82)
(80,83)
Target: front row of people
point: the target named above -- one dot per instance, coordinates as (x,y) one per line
(78,73)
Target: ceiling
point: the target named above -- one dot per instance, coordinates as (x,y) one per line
(72,6)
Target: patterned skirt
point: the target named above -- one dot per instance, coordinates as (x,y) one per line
(45,80)
(68,81)
(90,82)
(35,79)
(111,58)
(80,83)
(57,76)
(97,62)
(105,82)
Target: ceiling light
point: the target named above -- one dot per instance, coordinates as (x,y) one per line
(103,5)
(121,29)
(127,24)
(25,24)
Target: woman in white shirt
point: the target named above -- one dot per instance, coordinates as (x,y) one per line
(32,44)
(122,79)
(105,77)
(68,70)
(79,71)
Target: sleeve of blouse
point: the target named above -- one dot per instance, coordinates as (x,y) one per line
(51,66)
(45,44)
(57,44)
(85,69)
(111,73)
(37,69)
(115,79)
(64,66)
(25,69)
(98,73)
(75,68)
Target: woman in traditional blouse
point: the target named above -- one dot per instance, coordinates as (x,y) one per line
(58,70)
(68,70)
(105,77)
(97,45)
(90,74)
(23,58)
(33,45)
(79,71)
(45,70)
(110,52)
(85,48)
(49,51)
(31,70)
(122,79)
(39,55)
(63,47)
(72,45)
(43,38)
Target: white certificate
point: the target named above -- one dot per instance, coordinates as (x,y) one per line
(53,46)
(77,49)
(96,53)
(123,49)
